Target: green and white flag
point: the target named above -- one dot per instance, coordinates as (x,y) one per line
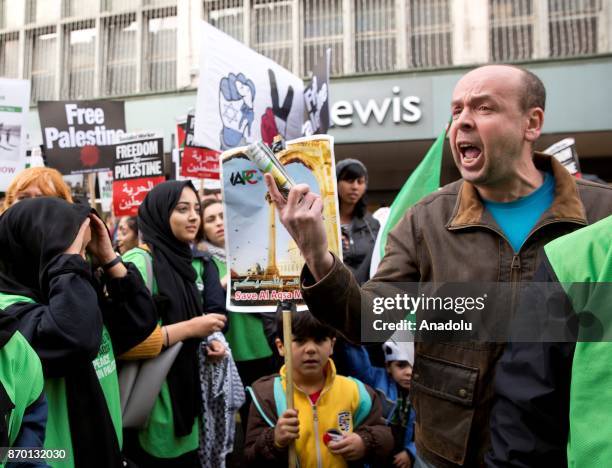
(424,180)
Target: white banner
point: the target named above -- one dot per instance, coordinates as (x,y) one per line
(243,96)
(14,104)
(105,183)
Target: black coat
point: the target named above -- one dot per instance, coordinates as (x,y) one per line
(361,239)
(530,417)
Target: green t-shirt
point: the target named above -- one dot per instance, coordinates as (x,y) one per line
(22,377)
(157,438)
(57,434)
(583,258)
(246,336)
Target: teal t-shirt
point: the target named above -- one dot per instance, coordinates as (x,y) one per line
(517,218)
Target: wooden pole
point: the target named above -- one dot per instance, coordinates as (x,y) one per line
(91,186)
(288,338)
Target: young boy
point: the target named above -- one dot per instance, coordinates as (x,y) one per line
(393,383)
(323,401)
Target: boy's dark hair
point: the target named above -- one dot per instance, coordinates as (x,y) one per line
(304,326)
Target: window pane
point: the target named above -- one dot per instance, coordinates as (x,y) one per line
(79,61)
(120,52)
(80,8)
(226,15)
(323,29)
(511,32)
(120,5)
(43,11)
(375,35)
(9,56)
(42,63)
(573,27)
(11,14)
(161,52)
(430,37)
(271,30)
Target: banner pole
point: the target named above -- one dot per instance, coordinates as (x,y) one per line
(287,340)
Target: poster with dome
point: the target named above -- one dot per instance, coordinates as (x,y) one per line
(263,261)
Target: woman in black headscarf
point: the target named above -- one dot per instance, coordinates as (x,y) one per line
(169,220)
(75,320)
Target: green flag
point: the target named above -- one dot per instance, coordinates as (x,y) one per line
(424,180)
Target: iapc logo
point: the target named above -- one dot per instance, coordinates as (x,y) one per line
(245,177)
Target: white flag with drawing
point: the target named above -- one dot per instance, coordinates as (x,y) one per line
(243,96)
(14,106)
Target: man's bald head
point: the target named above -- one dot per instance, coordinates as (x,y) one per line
(532,92)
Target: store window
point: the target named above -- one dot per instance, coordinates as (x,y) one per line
(79,60)
(119,50)
(511,30)
(9,55)
(160,50)
(322,29)
(43,11)
(430,33)
(226,15)
(573,27)
(271,30)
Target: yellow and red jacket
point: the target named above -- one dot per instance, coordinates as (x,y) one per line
(344,404)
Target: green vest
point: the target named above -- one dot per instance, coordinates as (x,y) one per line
(58,426)
(157,437)
(22,377)
(246,336)
(585,256)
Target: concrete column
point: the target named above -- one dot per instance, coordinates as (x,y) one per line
(348,34)
(401,34)
(470,31)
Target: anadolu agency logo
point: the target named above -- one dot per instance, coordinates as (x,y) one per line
(250,177)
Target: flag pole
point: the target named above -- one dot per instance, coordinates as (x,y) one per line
(287,309)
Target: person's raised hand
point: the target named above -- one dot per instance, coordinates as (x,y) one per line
(287,428)
(351,447)
(205,325)
(301,214)
(100,246)
(81,240)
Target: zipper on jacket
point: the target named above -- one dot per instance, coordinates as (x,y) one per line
(315,418)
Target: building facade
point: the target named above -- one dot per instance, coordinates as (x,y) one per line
(394,62)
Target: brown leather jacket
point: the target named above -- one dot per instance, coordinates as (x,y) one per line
(449,236)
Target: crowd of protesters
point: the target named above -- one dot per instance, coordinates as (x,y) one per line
(82,306)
